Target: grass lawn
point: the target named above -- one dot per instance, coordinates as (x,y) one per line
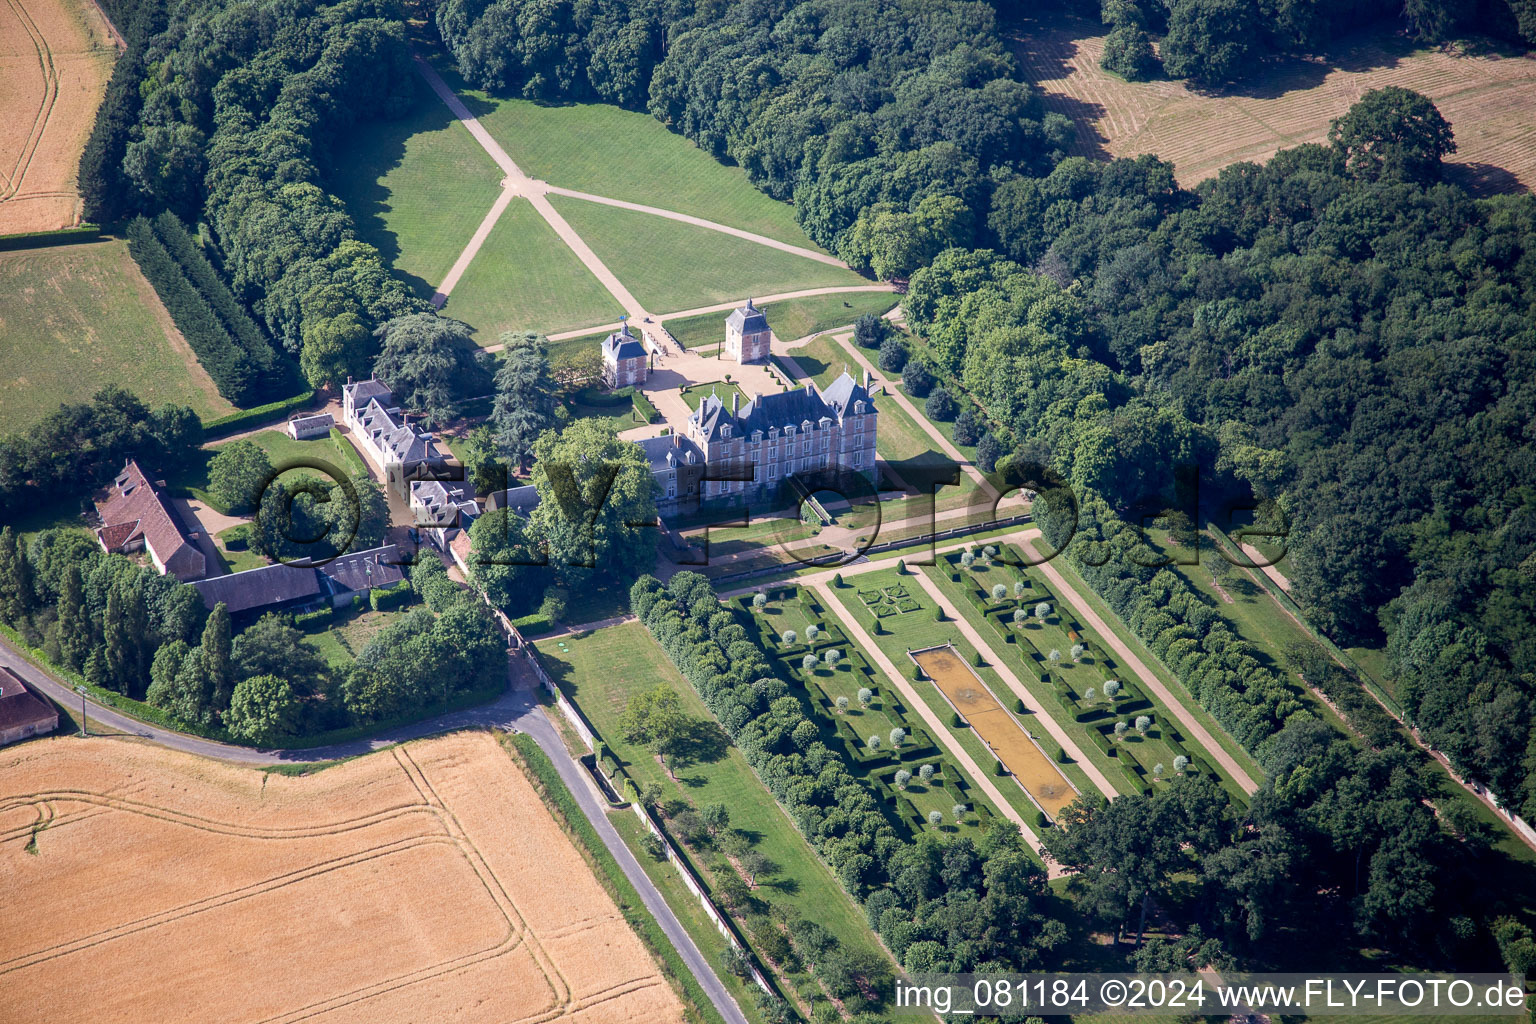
(670,266)
(823,361)
(417,188)
(624,154)
(283,450)
(667,878)
(76,317)
(600,671)
(240,557)
(524,278)
(696,394)
(790,318)
(349,631)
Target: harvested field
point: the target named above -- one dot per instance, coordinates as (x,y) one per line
(55,59)
(1034,771)
(1489,100)
(427,882)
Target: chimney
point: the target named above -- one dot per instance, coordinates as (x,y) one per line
(735,402)
(866,378)
(809,388)
(349,380)
(677,440)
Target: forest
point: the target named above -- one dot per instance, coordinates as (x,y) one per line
(1214,42)
(126,628)
(224,115)
(1336,331)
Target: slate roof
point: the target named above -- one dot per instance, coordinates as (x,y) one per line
(443,501)
(522,500)
(134,508)
(19,706)
(622,344)
(314,421)
(262,587)
(364,570)
(783,409)
(747,319)
(843,392)
(365,390)
(668,451)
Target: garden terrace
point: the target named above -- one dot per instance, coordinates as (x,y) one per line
(1082,666)
(896,635)
(1003,734)
(851,727)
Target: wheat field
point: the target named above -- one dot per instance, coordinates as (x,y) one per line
(427,882)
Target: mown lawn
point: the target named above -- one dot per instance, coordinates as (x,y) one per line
(602,670)
(789,318)
(77,317)
(417,188)
(624,154)
(670,266)
(524,278)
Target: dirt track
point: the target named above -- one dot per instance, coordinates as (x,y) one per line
(55,59)
(427,882)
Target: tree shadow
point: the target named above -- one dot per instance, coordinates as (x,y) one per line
(701,742)
(1483,180)
(359,161)
(781,884)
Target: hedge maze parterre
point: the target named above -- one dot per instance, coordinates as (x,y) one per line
(1044,648)
(851,727)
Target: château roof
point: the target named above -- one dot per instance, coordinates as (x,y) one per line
(747,319)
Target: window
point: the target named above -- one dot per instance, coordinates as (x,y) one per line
(805,447)
(757,456)
(858,459)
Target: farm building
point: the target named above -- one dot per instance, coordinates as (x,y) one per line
(624,359)
(270,588)
(23,714)
(308,428)
(747,335)
(264,589)
(136,517)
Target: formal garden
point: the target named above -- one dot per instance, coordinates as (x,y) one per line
(883,739)
(895,635)
(1130,736)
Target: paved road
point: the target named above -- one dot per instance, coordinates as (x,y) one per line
(517,709)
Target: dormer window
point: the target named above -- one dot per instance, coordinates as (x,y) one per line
(757,436)
(858,407)
(725,431)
